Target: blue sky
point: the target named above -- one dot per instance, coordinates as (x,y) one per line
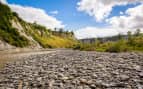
(87,14)
(67,12)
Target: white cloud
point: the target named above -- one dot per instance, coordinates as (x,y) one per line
(3,1)
(132,20)
(31,14)
(121,13)
(54,12)
(37,15)
(93,32)
(100,9)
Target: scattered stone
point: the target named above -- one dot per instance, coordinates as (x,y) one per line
(92,86)
(139,86)
(124,77)
(65,78)
(51,83)
(39,79)
(68,69)
(141,74)
(83,81)
(137,67)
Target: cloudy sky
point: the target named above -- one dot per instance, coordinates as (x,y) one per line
(87,18)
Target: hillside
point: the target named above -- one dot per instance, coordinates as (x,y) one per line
(15,32)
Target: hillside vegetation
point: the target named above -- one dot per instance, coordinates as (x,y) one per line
(19,33)
(134,42)
(7,32)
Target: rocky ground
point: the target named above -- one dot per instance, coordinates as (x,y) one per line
(68,69)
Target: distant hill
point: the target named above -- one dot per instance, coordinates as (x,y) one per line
(15,32)
(104,39)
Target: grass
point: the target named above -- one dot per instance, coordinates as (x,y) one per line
(55,42)
(133,44)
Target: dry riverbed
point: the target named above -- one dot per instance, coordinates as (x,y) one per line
(12,55)
(68,69)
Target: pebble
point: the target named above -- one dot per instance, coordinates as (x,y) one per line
(137,67)
(70,69)
(141,74)
(124,77)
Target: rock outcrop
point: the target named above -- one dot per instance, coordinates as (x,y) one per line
(5,46)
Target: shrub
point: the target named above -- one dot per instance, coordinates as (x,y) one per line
(77,46)
(119,46)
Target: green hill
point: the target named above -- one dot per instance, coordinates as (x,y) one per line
(18,33)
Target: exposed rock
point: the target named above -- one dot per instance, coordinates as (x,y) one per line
(16,24)
(5,46)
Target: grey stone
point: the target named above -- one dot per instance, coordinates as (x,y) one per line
(70,69)
(141,74)
(124,77)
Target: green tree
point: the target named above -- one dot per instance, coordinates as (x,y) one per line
(130,38)
(137,33)
(129,35)
(119,36)
(61,30)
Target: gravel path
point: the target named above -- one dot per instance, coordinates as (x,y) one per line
(68,69)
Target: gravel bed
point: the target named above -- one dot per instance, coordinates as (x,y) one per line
(68,69)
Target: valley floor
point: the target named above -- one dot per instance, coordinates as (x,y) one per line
(68,69)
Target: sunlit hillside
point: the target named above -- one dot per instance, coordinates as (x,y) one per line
(18,33)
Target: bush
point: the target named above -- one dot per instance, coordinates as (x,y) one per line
(77,46)
(119,46)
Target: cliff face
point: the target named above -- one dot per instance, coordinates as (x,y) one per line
(15,32)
